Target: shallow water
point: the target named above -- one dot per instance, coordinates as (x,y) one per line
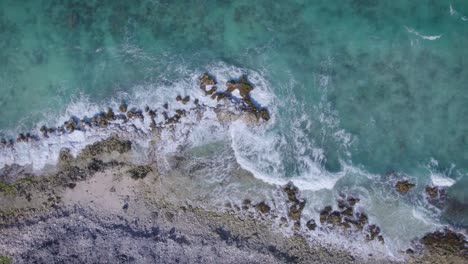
(356,88)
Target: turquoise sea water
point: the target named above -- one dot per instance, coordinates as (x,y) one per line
(379,85)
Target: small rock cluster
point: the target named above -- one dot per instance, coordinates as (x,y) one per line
(346,218)
(296,204)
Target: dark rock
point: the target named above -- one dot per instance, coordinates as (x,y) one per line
(186,99)
(373,232)
(101,120)
(404,186)
(246,204)
(139,172)
(123,108)
(96,165)
(263,208)
(324,214)
(65,156)
(134,113)
(43,130)
(206,80)
(446,241)
(311,225)
(21,138)
(106,146)
(436,194)
(295,210)
(334,218)
(432,192)
(152,113)
(352,200)
(110,114)
(381,239)
(242,86)
(166,106)
(70,126)
(71,185)
(362,220)
(178,98)
(181,112)
(263,113)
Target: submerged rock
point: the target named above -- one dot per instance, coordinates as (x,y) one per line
(404,186)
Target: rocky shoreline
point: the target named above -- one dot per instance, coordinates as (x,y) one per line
(102,206)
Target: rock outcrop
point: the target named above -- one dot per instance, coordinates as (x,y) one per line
(404,186)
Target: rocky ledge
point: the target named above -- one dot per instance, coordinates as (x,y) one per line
(245,105)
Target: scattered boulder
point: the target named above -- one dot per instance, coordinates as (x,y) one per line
(263,208)
(186,99)
(207,80)
(404,186)
(243,86)
(311,225)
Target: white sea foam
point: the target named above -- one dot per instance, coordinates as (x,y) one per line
(441,180)
(413,31)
